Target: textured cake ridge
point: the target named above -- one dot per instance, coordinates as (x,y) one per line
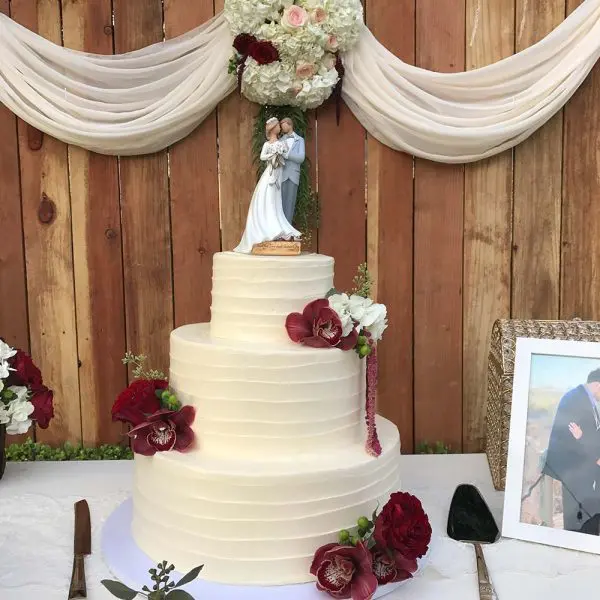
(279,466)
(252,296)
(267,400)
(258,523)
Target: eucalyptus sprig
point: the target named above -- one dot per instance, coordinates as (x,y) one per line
(162,589)
(139,372)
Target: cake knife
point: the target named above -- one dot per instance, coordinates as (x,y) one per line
(82,548)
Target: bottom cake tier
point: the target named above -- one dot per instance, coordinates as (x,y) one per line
(257,523)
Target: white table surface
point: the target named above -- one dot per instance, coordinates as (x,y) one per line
(36,529)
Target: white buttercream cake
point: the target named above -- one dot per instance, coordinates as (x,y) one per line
(279,466)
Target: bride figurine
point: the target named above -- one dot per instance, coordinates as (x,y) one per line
(266,220)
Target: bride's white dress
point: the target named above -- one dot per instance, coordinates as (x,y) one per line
(266,220)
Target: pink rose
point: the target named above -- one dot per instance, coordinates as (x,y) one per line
(305,70)
(332,43)
(294,17)
(319,15)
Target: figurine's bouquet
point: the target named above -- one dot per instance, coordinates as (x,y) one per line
(287,53)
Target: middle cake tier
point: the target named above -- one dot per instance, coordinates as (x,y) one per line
(267,399)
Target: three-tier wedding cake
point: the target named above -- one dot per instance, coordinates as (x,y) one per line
(279,465)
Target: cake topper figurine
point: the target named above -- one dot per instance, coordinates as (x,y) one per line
(269,227)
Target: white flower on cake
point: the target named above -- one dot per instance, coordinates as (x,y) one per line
(19,411)
(6,351)
(295,44)
(341,304)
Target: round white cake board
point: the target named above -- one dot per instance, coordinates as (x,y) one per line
(130,565)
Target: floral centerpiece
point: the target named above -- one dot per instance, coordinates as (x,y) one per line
(382,550)
(24,398)
(287,52)
(158,421)
(347,322)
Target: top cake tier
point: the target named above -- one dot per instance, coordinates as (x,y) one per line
(252,295)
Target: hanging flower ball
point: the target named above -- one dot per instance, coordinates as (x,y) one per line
(287,53)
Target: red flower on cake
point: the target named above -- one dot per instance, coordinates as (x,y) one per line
(319,326)
(25,372)
(403,527)
(243,42)
(263,53)
(345,571)
(43,407)
(391,567)
(136,402)
(164,430)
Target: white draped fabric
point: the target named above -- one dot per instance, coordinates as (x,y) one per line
(134,103)
(464,117)
(144,101)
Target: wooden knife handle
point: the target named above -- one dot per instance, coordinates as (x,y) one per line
(78,588)
(486,589)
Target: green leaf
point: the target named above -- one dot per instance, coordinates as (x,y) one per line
(189,576)
(118,589)
(331,292)
(179,595)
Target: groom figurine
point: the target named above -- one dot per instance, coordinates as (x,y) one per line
(291,170)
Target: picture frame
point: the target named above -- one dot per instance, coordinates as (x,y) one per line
(547,391)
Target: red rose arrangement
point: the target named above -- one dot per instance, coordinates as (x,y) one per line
(383,550)
(248,46)
(24,398)
(158,421)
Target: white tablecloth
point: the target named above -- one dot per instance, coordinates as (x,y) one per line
(36,529)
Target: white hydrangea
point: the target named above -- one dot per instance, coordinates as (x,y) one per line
(307,35)
(19,411)
(4,416)
(340,304)
(362,313)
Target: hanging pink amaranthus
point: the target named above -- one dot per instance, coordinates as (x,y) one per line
(373,446)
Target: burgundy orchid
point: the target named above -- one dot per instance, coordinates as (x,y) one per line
(345,571)
(319,326)
(164,430)
(391,567)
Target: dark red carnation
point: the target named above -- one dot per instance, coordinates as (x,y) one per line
(138,401)
(243,42)
(264,53)
(43,407)
(403,527)
(345,571)
(391,567)
(25,372)
(163,431)
(319,326)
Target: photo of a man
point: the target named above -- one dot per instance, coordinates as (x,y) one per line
(573,455)
(561,470)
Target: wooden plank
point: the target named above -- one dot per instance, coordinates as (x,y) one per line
(97,254)
(341,184)
(580,262)
(487,227)
(49,252)
(237,172)
(439,195)
(538,190)
(390,235)
(13,308)
(145,211)
(194,189)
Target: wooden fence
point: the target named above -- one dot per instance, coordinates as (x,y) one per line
(100,255)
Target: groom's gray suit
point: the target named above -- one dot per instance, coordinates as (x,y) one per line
(291,175)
